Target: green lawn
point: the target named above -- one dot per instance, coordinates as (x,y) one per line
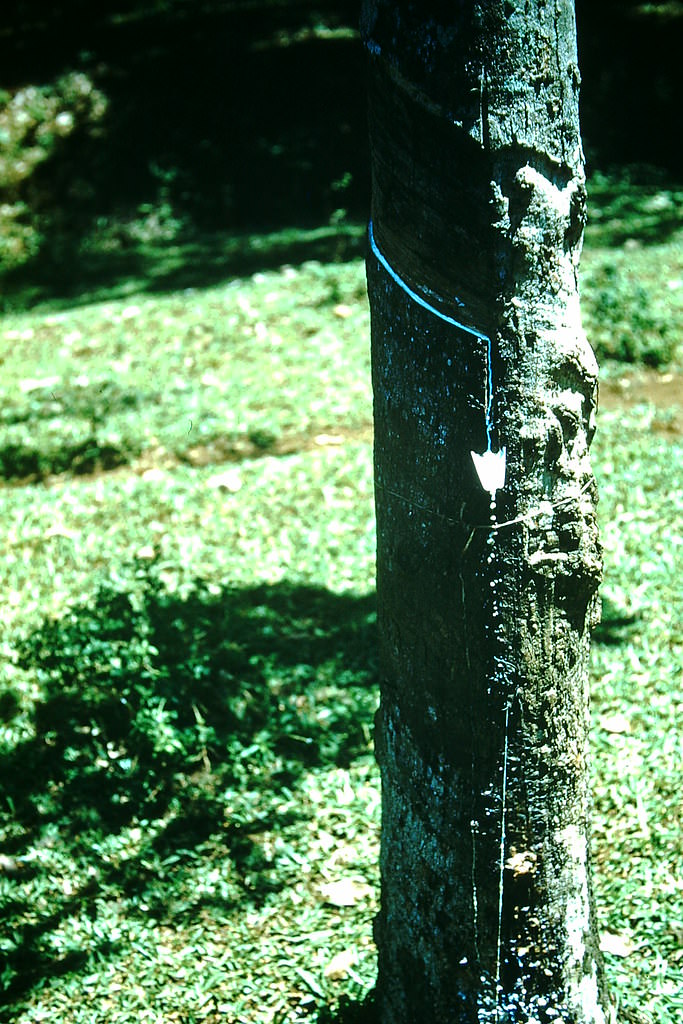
(189,806)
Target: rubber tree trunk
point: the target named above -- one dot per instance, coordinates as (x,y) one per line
(486,589)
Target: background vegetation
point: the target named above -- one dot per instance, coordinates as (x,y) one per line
(189,802)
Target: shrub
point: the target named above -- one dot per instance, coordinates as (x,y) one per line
(35,123)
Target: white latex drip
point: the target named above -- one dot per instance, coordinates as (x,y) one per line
(501,866)
(499,677)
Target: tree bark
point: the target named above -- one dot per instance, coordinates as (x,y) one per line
(486,591)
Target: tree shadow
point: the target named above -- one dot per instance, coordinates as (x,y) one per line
(152,707)
(66,274)
(350,1011)
(616,627)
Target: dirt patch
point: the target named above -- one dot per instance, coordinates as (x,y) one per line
(288,444)
(664,391)
(648,387)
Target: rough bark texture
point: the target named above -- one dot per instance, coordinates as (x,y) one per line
(477,222)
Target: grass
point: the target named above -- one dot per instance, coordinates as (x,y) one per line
(632,286)
(189,799)
(221,379)
(637,708)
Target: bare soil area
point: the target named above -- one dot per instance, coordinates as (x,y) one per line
(648,387)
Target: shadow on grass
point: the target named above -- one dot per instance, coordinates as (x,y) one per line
(194,713)
(351,1011)
(615,627)
(186,719)
(72,275)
